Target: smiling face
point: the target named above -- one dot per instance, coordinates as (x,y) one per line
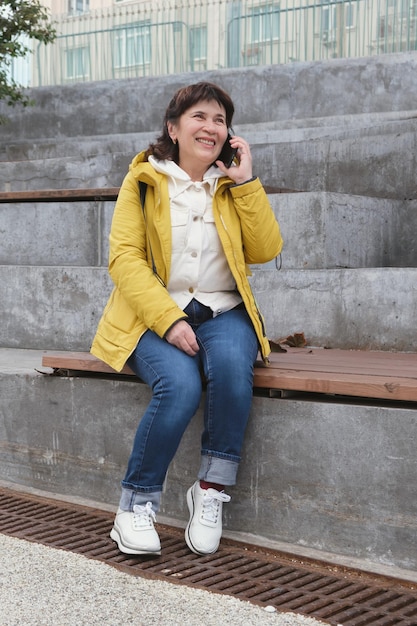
(200,133)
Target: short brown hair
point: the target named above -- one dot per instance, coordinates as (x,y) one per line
(182,100)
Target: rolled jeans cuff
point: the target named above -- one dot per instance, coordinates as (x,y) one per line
(216,470)
(129,498)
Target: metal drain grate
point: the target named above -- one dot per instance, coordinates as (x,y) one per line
(333,594)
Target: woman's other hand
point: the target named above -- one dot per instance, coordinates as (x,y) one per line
(243,171)
(182,336)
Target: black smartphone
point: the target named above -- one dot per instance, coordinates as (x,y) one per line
(228,153)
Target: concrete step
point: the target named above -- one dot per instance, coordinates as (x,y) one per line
(73,172)
(275,131)
(381,165)
(368,309)
(55,233)
(51,307)
(321,230)
(84,147)
(261,94)
(324,230)
(58,308)
(381,121)
(330,475)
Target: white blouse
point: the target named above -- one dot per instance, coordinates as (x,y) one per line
(199,268)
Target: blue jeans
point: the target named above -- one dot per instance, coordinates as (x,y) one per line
(228,350)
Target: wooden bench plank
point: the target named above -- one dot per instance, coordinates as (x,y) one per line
(382,375)
(60,195)
(73,195)
(348,361)
(80,362)
(382,387)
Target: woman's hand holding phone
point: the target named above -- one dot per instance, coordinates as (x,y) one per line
(241,170)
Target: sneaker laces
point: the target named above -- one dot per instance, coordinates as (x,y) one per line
(143,516)
(212,500)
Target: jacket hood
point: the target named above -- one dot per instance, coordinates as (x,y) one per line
(139,158)
(172,169)
(179,178)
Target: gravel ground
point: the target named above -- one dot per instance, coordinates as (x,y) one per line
(41,586)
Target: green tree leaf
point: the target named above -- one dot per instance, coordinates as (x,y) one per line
(20,20)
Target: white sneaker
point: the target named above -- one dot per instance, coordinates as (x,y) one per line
(134,532)
(204,530)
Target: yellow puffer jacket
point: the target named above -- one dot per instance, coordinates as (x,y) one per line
(139,301)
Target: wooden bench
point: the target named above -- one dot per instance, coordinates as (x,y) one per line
(85,195)
(354,373)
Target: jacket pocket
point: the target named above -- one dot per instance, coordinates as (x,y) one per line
(118,317)
(179,226)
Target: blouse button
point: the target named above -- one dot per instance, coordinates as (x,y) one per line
(191,289)
(194,254)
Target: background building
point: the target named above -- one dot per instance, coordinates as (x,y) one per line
(106,39)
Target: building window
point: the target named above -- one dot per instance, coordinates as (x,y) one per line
(401,8)
(198,43)
(132,45)
(350,16)
(265,22)
(78,63)
(328,19)
(78,6)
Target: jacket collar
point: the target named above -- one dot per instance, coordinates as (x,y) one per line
(145,171)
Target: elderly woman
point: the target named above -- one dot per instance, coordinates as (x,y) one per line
(182,313)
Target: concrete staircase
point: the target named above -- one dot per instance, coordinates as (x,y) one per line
(349,156)
(334,477)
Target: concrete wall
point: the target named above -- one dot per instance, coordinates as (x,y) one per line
(58,308)
(349,259)
(321,231)
(339,478)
